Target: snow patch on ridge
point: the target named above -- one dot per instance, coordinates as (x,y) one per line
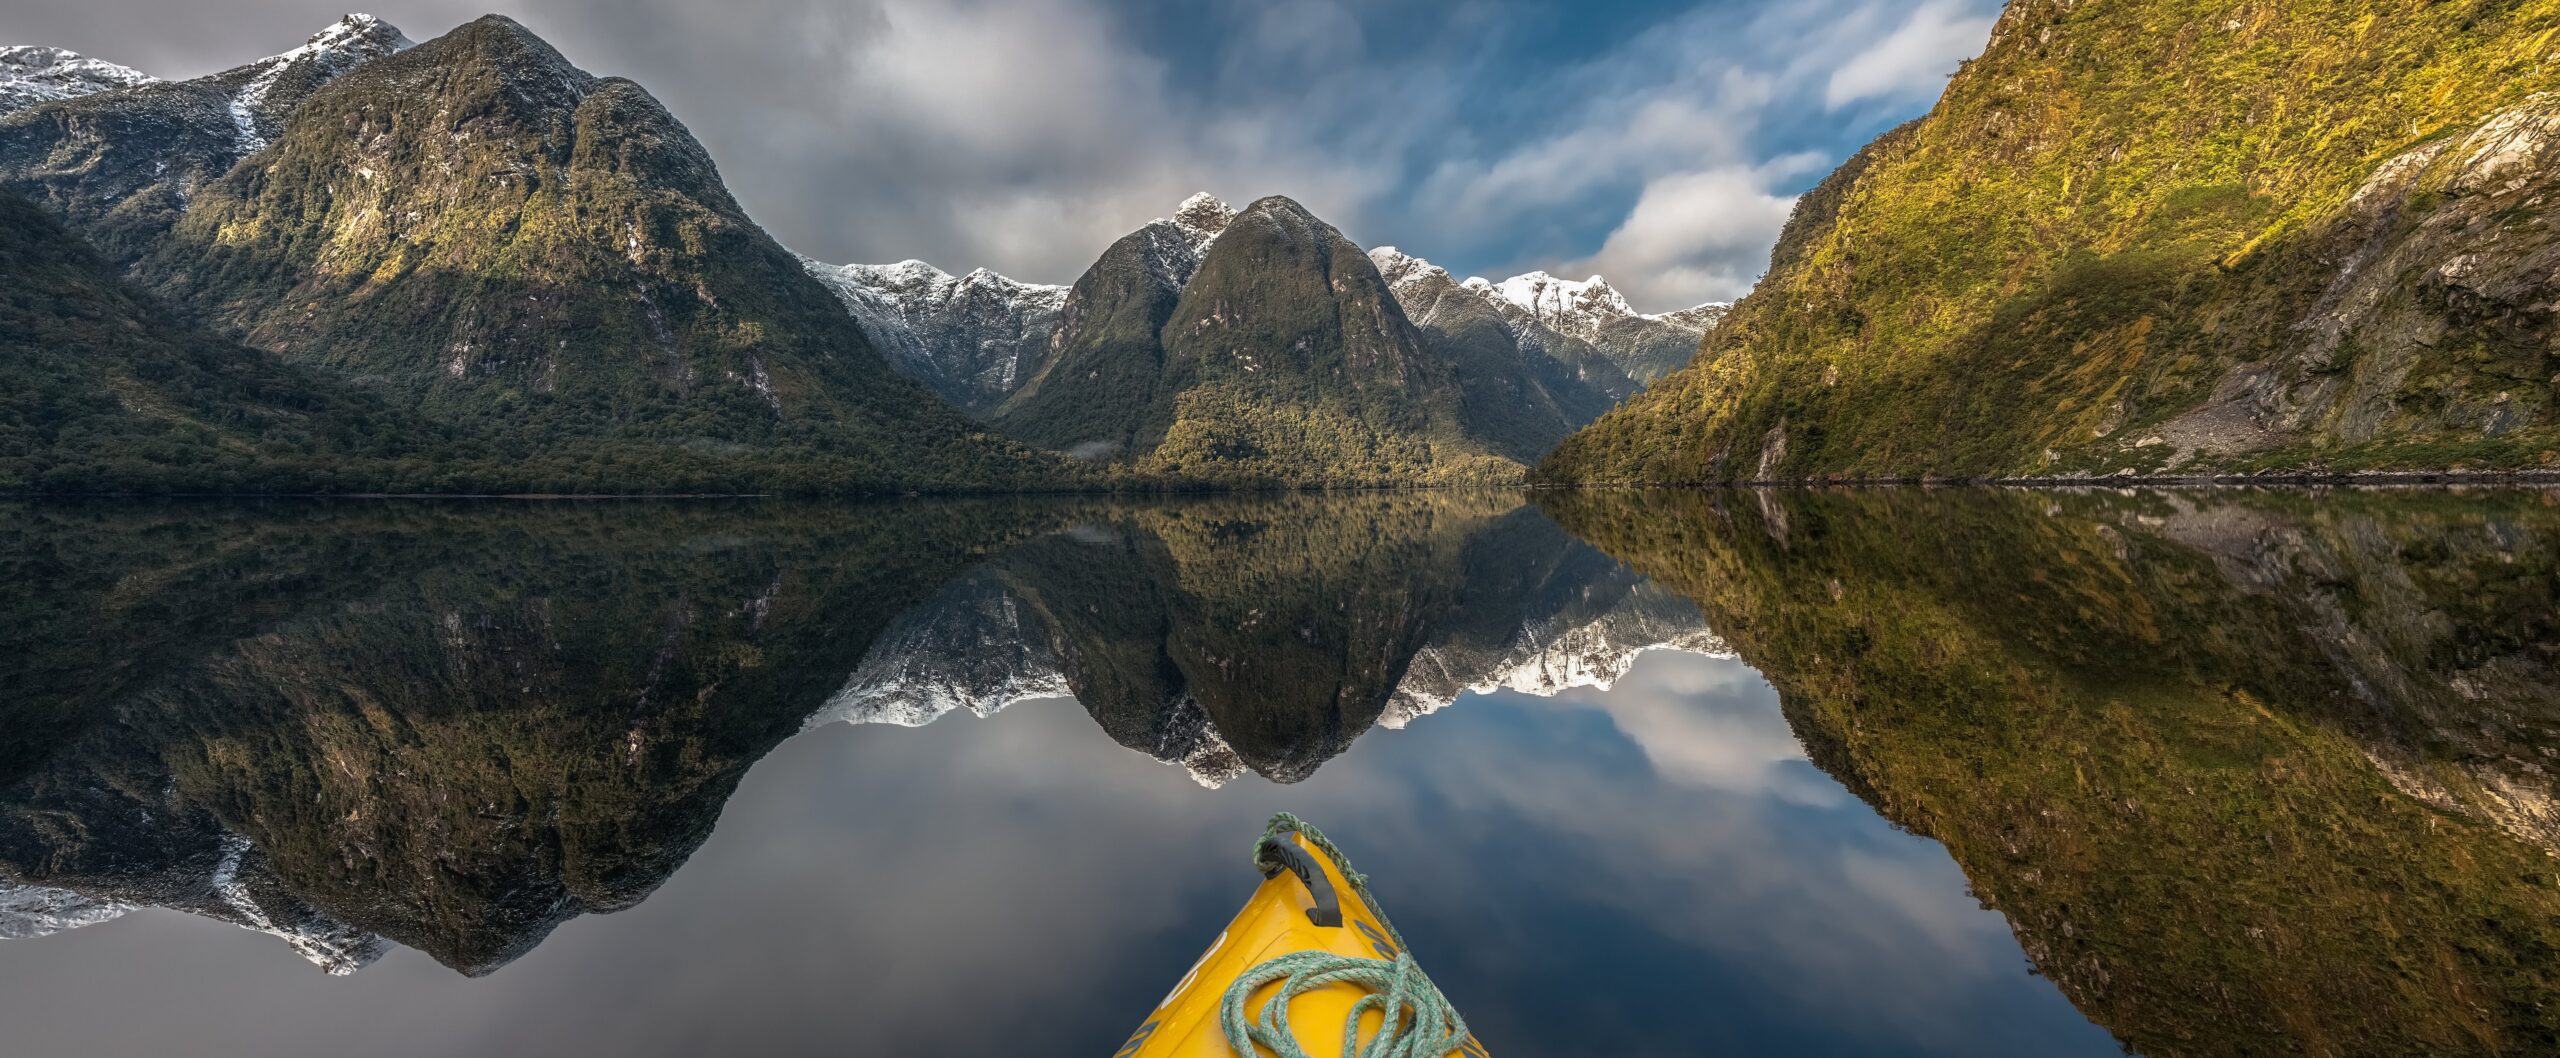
(972,337)
(344,45)
(335,947)
(33,74)
(27,912)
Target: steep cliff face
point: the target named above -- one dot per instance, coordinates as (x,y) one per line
(2247,775)
(550,258)
(2167,235)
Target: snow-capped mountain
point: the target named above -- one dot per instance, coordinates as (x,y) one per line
(32,74)
(269,88)
(1564,319)
(975,648)
(125,160)
(1555,653)
(1583,310)
(973,338)
(230,881)
(30,911)
(976,339)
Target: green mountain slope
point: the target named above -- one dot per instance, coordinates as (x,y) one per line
(549,260)
(1284,359)
(454,726)
(101,388)
(2158,235)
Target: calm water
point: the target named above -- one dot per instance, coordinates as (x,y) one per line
(1884,773)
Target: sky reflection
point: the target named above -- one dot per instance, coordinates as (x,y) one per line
(1649,869)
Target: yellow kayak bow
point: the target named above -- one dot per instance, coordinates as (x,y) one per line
(1309,969)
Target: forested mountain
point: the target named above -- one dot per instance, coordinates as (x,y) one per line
(2247,773)
(2158,236)
(521,254)
(100,387)
(122,156)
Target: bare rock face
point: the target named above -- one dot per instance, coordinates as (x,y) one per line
(2440,318)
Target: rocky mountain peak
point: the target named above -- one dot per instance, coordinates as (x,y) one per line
(1401,269)
(1560,303)
(32,74)
(269,88)
(1203,217)
(973,339)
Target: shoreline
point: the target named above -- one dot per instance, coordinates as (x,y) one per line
(2286,479)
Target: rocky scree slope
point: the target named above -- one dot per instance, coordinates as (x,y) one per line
(2158,236)
(549,258)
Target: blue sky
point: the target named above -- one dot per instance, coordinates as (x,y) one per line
(1658,142)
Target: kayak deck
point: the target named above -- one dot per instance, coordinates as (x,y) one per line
(1287,914)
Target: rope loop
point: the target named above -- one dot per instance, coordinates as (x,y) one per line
(1416,1021)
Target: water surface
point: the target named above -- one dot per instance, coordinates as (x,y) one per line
(1889,773)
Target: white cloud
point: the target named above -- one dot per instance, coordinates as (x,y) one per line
(1914,59)
(1025,135)
(1679,122)
(1694,236)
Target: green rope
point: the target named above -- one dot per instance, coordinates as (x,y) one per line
(1418,1021)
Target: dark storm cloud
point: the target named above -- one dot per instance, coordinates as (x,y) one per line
(1661,141)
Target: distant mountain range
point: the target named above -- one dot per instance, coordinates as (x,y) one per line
(525,278)
(1486,369)
(540,267)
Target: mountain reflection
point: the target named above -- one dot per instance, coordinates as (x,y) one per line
(1266,636)
(2245,773)
(455,727)
(2248,774)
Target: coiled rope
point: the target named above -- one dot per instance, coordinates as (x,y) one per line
(1417,1021)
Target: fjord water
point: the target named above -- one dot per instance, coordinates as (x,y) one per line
(1872,773)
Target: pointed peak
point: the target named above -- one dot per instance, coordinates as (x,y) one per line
(358,29)
(356,36)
